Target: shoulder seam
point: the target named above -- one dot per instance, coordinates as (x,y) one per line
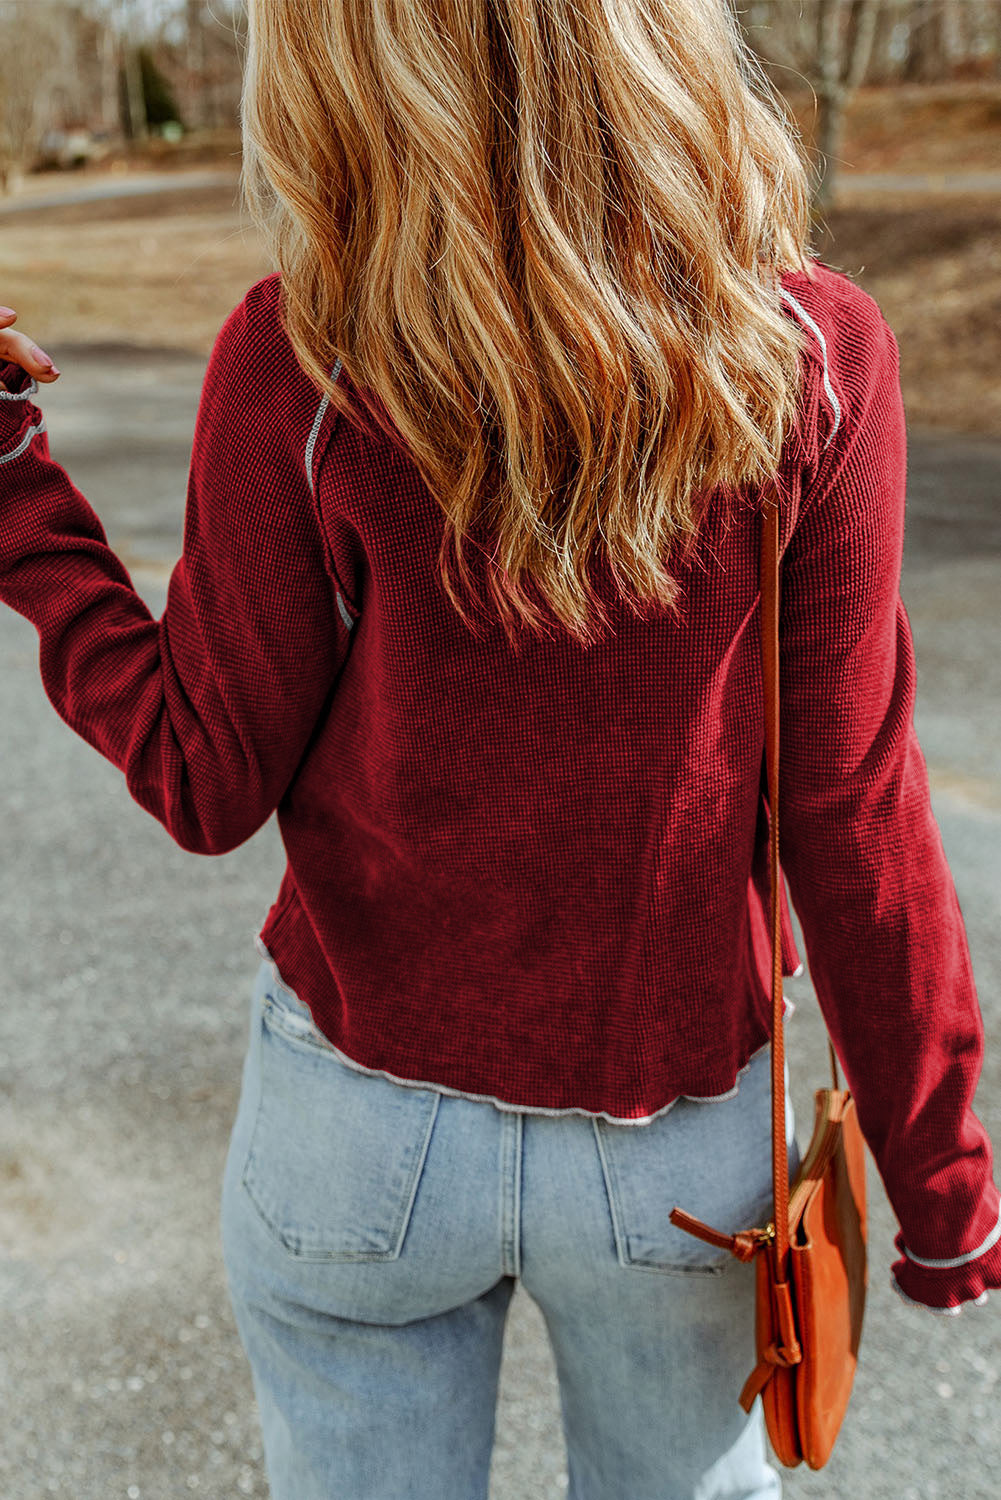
(312,460)
(268,288)
(315,429)
(828,387)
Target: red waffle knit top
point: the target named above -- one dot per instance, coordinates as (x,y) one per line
(540,877)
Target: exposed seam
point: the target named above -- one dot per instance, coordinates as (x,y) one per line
(310,447)
(960,1260)
(344,614)
(949,1312)
(521,1109)
(317,423)
(823,349)
(20,395)
(510,1195)
(5,458)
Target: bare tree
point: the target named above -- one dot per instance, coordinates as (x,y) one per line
(194,20)
(215,39)
(827,43)
(926,41)
(138,128)
(845,33)
(60,66)
(32,64)
(108,52)
(889,47)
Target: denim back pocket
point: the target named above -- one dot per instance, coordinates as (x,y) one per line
(335,1156)
(712,1159)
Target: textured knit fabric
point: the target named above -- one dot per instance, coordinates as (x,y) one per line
(541,876)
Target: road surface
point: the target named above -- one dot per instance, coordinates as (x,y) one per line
(127,969)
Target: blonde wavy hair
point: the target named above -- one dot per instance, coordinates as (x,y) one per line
(546,235)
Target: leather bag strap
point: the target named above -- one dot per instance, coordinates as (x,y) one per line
(769,579)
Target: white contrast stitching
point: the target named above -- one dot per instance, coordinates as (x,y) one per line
(823,349)
(311,444)
(960,1260)
(502,1104)
(20,395)
(5,458)
(344,614)
(314,433)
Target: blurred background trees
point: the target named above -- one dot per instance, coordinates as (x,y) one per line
(831,47)
(80,77)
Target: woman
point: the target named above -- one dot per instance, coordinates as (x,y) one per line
(545,298)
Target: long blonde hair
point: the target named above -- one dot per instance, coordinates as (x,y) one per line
(546,235)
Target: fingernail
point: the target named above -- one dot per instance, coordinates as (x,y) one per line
(54,371)
(8,312)
(40,355)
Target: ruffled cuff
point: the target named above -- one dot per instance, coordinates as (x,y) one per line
(948,1312)
(20,420)
(20,386)
(944,1285)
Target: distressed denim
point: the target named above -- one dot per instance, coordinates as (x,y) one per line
(373,1235)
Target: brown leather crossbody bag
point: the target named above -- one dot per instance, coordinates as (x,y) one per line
(812,1271)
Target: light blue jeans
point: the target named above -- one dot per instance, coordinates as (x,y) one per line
(373,1234)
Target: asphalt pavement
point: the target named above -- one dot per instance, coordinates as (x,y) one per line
(127,966)
(53,189)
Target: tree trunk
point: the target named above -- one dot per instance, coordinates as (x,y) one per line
(138,128)
(110,112)
(926,49)
(198,102)
(830,134)
(830,97)
(846,30)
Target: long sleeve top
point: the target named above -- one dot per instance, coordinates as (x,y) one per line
(540,877)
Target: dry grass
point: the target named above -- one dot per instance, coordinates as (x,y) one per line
(934,267)
(166,270)
(917,127)
(158,270)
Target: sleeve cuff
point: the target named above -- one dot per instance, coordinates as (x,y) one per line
(992,1237)
(949,1312)
(20,386)
(943,1285)
(20,420)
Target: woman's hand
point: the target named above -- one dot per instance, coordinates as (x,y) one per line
(19,348)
